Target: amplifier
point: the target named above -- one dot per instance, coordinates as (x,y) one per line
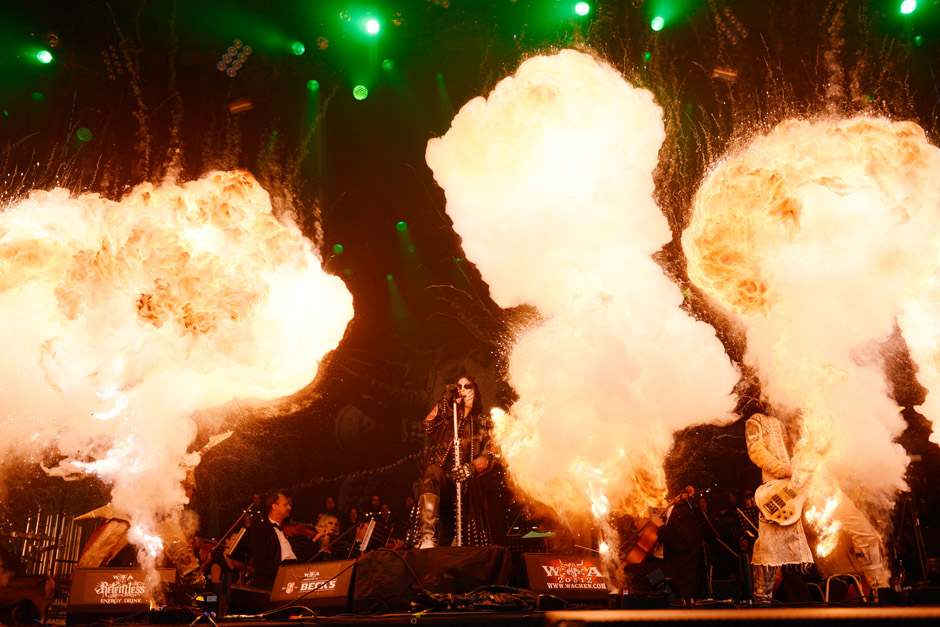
(97,593)
(320,585)
(569,577)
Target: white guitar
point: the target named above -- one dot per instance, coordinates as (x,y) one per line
(779,501)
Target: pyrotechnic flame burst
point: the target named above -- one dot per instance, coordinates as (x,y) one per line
(822,236)
(549,184)
(121,319)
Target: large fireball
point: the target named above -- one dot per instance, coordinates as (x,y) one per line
(120,319)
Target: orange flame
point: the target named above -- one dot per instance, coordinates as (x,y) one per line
(121,319)
(822,237)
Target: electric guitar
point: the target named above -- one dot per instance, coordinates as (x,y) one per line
(779,501)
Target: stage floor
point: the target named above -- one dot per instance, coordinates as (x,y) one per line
(745,615)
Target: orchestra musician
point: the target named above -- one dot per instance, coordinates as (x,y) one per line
(269,544)
(219,563)
(671,542)
(325,532)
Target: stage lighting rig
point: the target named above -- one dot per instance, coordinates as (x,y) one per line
(234,58)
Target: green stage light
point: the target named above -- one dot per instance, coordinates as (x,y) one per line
(338,249)
(44,56)
(402,226)
(313,85)
(657,23)
(298,48)
(389,277)
(38,96)
(908,6)
(388,64)
(582,8)
(647,56)
(83,135)
(373,26)
(360,92)
(918,41)
(347,271)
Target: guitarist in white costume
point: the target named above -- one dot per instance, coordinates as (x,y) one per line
(776,545)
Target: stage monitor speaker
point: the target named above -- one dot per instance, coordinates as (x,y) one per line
(101,593)
(388,581)
(323,586)
(569,577)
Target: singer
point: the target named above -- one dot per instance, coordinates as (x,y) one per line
(460,403)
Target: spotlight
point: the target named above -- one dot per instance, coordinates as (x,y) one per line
(657,23)
(234,58)
(372,26)
(360,92)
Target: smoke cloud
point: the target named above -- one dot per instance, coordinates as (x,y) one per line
(549,183)
(822,236)
(120,319)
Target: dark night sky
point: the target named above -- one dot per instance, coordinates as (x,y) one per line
(141,76)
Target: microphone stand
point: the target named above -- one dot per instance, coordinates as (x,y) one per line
(230,529)
(458,537)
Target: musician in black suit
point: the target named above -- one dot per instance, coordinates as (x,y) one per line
(681,548)
(269,546)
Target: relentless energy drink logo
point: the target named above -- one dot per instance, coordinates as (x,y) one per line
(122,588)
(310,582)
(573,575)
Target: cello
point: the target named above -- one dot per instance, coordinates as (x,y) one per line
(646,537)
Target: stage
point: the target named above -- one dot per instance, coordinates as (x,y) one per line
(440,586)
(926,615)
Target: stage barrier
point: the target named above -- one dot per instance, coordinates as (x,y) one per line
(752,616)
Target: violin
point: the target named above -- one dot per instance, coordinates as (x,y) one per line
(306,530)
(203,547)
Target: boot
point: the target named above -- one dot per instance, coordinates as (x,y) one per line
(180,552)
(427,520)
(763,578)
(874,570)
